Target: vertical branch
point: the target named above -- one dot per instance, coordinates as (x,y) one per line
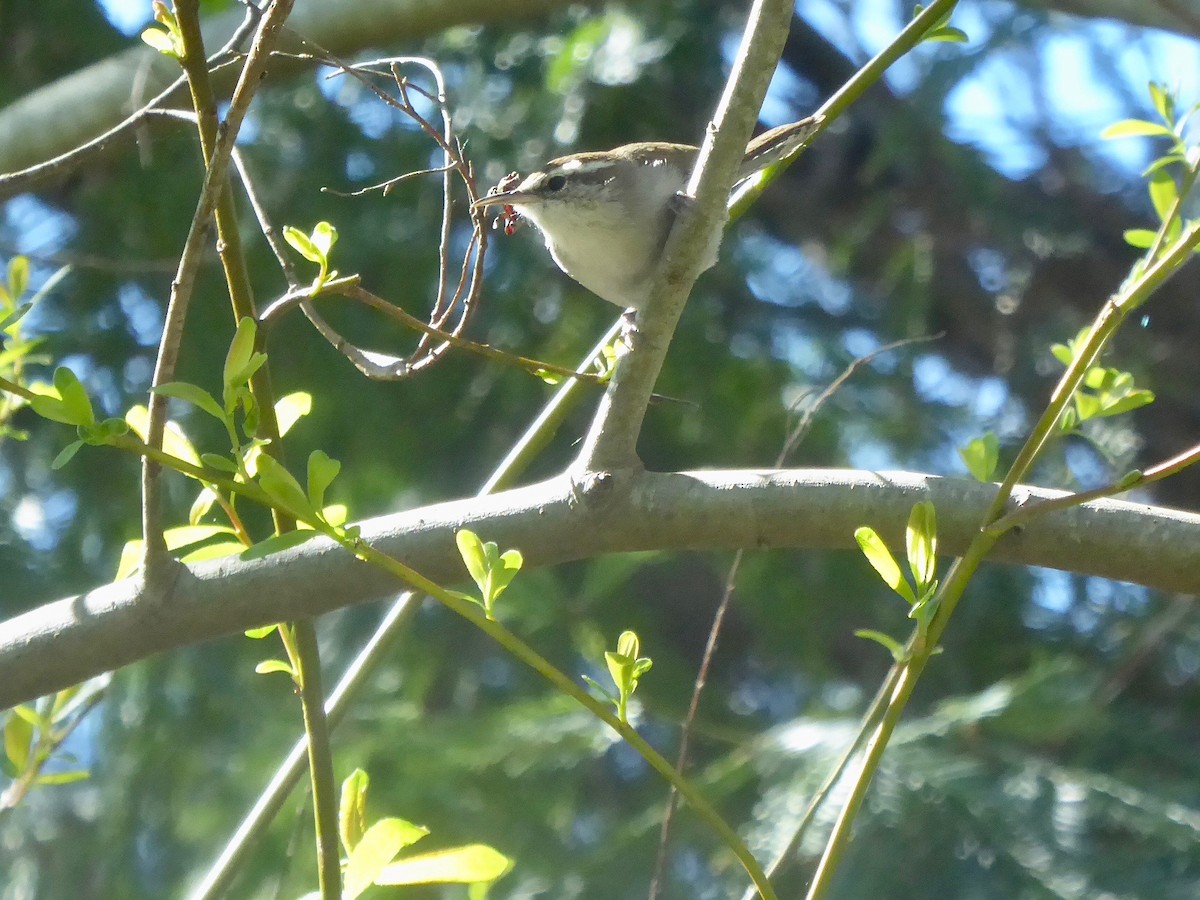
(300,637)
(217,163)
(611,443)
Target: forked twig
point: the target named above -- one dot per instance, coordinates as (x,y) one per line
(457,295)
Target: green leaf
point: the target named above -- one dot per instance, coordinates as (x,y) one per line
(276,544)
(175,442)
(302,244)
(981,455)
(131,559)
(470,548)
(1062,353)
(161,41)
(1163,192)
(1130,401)
(289,409)
(1167,159)
(323,237)
(240,378)
(1130,479)
(1141,238)
(66,454)
(32,716)
(578,46)
(335,513)
(68,403)
(503,572)
(601,690)
(18,741)
(62,777)
(378,847)
(186,535)
(469,598)
(18,278)
(213,551)
(249,405)
(949,35)
(241,349)
(1135,128)
(1069,421)
(1164,103)
(104,432)
(921,543)
(219,462)
(882,561)
(15,316)
(193,394)
(257,634)
(321,471)
(50,408)
(470,864)
(893,646)
(205,498)
(1087,406)
(267,666)
(629,644)
(352,811)
(283,489)
(74,397)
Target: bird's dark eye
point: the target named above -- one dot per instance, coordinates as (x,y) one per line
(556,183)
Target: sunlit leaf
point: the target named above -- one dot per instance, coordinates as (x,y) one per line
(18,741)
(282,487)
(289,409)
(352,811)
(921,543)
(1135,128)
(881,559)
(893,646)
(378,847)
(459,865)
(471,549)
(241,349)
(321,472)
(268,666)
(1141,238)
(981,455)
(276,544)
(193,394)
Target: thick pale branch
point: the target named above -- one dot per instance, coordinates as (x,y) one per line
(66,113)
(69,640)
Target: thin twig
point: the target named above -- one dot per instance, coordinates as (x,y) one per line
(461,301)
(1024,514)
(796,435)
(383,367)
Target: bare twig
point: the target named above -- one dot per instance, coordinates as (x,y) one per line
(795,436)
(454,302)
(383,367)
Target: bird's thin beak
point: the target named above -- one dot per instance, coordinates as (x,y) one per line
(504,197)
